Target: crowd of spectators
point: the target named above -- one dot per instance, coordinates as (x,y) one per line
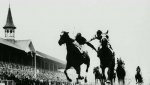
(25,75)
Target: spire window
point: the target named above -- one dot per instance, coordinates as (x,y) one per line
(10,31)
(7,31)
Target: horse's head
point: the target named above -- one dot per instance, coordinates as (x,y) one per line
(138,69)
(63,37)
(105,39)
(120,62)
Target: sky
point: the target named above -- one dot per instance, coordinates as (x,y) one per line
(42,21)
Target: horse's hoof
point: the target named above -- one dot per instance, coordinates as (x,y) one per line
(107,81)
(81,77)
(69,80)
(85,80)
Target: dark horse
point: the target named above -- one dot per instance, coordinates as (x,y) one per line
(74,57)
(98,75)
(120,71)
(138,76)
(107,58)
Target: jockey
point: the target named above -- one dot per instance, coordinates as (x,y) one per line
(81,41)
(99,36)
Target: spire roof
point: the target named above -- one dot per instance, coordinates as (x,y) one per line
(9,22)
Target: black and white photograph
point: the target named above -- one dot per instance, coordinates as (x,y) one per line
(74,42)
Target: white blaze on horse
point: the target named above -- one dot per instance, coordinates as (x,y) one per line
(106,55)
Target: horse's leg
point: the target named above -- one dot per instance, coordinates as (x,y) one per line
(123,82)
(112,75)
(77,81)
(87,63)
(96,81)
(119,81)
(111,82)
(103,75)
(100,80)
(78,69)
(136,80)
(114,79)
(85,80)
(67,67)
(108,73)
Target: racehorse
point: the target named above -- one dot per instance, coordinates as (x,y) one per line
(120,71)
(98,75)
(138,76)
(74,57)
(107,58)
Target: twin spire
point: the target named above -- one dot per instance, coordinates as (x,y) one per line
(9,27)
(9,22)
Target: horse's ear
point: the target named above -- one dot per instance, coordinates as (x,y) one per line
(64,32)
(107,32)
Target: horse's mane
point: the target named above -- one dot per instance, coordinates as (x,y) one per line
(70,40)
(71,47)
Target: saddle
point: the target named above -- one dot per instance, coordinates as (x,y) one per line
(79,47)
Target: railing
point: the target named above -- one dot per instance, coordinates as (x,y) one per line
(7,82)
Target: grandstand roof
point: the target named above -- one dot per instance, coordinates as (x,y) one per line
(24,45)
(50,57)
(27,46)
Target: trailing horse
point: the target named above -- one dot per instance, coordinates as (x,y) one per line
(120,71)
(138,76)
(74,57)
(98,75)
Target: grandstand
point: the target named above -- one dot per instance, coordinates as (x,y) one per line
(20,62)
